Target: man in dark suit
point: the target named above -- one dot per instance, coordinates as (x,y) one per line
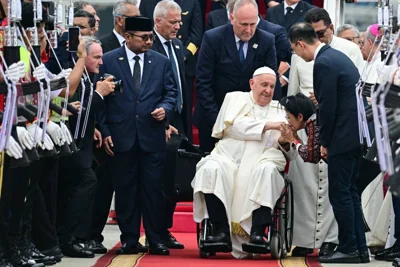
(105,190)
(288,12)
(190,33)
(334,78)
(133,128)
(77,182)
(228,58)
(167,18)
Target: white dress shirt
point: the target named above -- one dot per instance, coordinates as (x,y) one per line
(163,40)
(318,49)
(245,46)
(120,38)
(138,3)
(130,55)
(285,5)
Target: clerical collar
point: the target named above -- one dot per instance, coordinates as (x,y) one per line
(285,5)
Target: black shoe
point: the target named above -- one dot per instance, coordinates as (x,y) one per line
(53,252)
(327,249)
(389,255)
(301,252)
(5,263)
(16,258)
(257,239)
(219,238)
(171,242)
(339,257)
(28,250)
(159,249)
(127,249)
(95,247)
(364,257)
(74,250)
(141,248)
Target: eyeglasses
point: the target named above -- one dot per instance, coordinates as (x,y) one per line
(145,37)
(321,34)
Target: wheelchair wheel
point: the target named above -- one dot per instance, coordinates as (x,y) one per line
(276,245)
(200,239)
(289,216)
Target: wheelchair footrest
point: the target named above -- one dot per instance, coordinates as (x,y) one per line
(256,248)
(216,247)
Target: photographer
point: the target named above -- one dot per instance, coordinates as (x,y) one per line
(77,179)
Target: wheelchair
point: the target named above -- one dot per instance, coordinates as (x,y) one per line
(280,233)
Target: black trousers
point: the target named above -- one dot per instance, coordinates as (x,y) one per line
(343,172)
(103,199)
(14,188)
(136,176)
(37,220)
(77,188)
(262,217)
(169,182)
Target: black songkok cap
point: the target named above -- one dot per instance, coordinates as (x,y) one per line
(142,24)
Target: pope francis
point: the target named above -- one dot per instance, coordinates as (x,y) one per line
(238,184)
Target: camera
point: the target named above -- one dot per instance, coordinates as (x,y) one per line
(118,84)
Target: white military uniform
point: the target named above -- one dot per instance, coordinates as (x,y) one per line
(243,170)
(316,223)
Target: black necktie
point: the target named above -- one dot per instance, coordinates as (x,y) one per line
(136,74)
(176,76)
(241,52)
(289,11)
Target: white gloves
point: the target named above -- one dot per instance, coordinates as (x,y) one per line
(40,72)
(16,71)
(13,149)
(64,73)
(25,138)
(66,133)
(55,132)
(47,144)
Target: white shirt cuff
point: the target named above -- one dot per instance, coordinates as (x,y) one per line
(100,95)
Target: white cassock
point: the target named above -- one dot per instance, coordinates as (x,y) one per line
(243,170)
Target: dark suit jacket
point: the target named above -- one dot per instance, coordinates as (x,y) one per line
(220,72)
(217,18)
(276,14)
(109,42)
(335,78)
(186,95)
(191,31)
(281,1)
(84,157)
(127,115)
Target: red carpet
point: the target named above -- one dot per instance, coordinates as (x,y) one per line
(190,257)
